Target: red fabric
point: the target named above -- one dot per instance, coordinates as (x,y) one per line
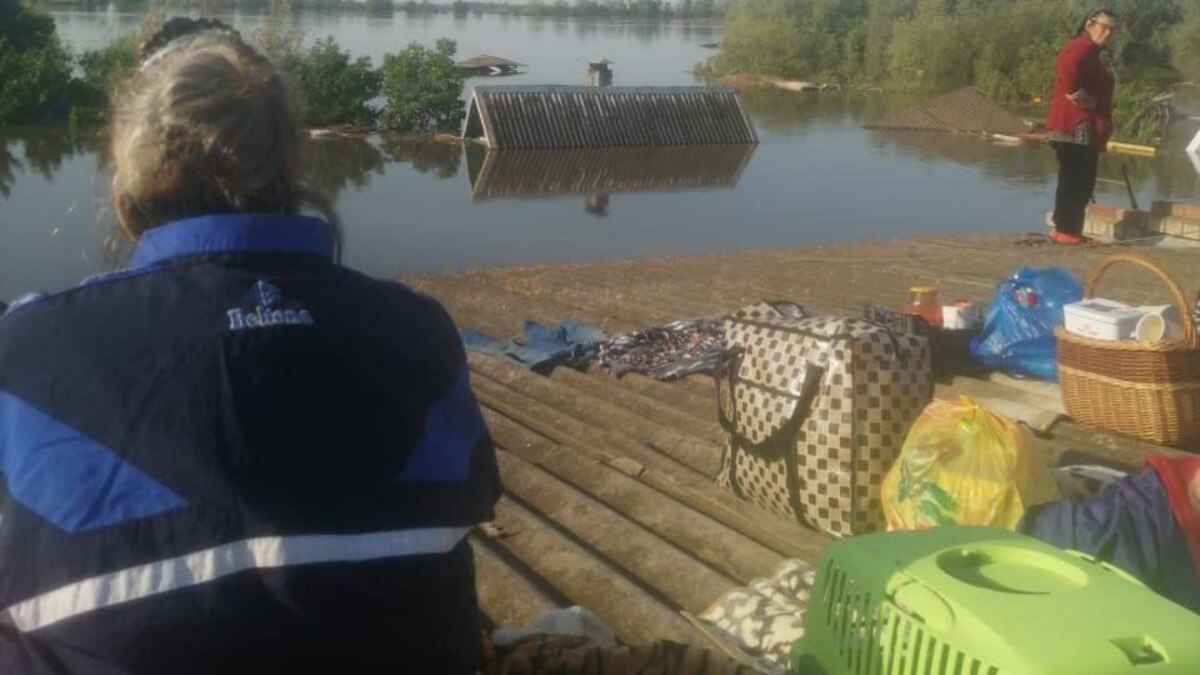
(1176,474)
(1079,67)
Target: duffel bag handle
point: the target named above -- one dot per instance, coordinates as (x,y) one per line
(778,442)
(1185,309)
(788,309)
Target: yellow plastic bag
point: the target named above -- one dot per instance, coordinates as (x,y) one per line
(964,465)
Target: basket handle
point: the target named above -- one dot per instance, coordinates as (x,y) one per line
(1185,309)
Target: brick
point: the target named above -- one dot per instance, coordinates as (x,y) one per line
(1132,225)
(1179,227)
(1163,208)
(1098,227)
(1110,211)
(1126,224)
(1170,226)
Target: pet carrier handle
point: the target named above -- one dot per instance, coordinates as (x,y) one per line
(1185,309)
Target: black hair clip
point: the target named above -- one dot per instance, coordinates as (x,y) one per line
(174,29)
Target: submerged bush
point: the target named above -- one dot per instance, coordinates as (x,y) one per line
(421,89)
(334,89)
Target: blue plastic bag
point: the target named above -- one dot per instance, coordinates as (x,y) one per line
(1018,332)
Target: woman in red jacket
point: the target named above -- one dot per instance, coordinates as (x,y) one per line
(1080,121)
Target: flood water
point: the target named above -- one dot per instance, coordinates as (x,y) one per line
(816,177)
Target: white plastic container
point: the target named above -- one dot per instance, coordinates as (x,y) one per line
(1103,319)
(961,315)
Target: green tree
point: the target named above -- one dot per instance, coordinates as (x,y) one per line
(421,88)
(280,38)
(333,89)
(1185,48)
(34,68)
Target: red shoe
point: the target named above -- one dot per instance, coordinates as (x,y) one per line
(1070,239)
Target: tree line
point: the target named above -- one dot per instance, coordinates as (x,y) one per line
(1005,47)
(415,90)
(646,9)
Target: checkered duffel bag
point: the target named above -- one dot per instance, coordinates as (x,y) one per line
(815,410)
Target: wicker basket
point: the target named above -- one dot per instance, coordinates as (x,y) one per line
(1146,390)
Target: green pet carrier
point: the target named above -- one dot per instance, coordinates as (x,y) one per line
(985,601)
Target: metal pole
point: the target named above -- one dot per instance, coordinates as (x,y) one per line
(1129,186)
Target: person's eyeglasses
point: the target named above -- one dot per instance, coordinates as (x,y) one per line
(1110,27)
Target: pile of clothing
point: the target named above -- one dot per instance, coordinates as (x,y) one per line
(668,352)
(541,348)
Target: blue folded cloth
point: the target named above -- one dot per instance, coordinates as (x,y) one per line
(541,348)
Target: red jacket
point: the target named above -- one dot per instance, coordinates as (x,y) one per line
(1079,67)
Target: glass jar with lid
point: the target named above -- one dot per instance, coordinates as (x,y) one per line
(924,302)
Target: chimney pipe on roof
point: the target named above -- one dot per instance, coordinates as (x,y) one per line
(599,74)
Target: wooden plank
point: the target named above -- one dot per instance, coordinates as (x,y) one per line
(697,454)
(721,547)
(587,580)
(611,390)
(652,561)
(507,595)
(656,470)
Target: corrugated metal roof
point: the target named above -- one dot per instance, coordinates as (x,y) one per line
(526,117)
(964,110)
(540,173)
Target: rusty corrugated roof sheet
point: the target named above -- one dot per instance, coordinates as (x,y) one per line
(488,61)
(527,117)
(966,110)
(540,173)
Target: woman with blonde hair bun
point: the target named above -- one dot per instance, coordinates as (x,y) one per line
(236,456)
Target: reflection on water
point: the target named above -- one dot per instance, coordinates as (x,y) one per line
(39,152)
(547,173)
(599,172)
(340,162)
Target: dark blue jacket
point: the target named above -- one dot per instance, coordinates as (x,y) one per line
(238,456)
(1131,525)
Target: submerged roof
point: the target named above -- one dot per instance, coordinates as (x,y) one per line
(487,61)
(964,110)
(552,116)
(541,173)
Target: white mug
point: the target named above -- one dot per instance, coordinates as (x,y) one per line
(1159,323)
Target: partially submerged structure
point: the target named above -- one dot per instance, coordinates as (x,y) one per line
(487,65)
(557,116)
(966,110)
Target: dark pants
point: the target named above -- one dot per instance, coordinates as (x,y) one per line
(1077,165)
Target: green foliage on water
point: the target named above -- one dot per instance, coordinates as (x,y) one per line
(1005,47)
(335,89)
(421,87)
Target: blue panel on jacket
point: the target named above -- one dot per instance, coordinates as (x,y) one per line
(452,428)
(69,479)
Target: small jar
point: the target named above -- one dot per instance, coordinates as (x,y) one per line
(925,304)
